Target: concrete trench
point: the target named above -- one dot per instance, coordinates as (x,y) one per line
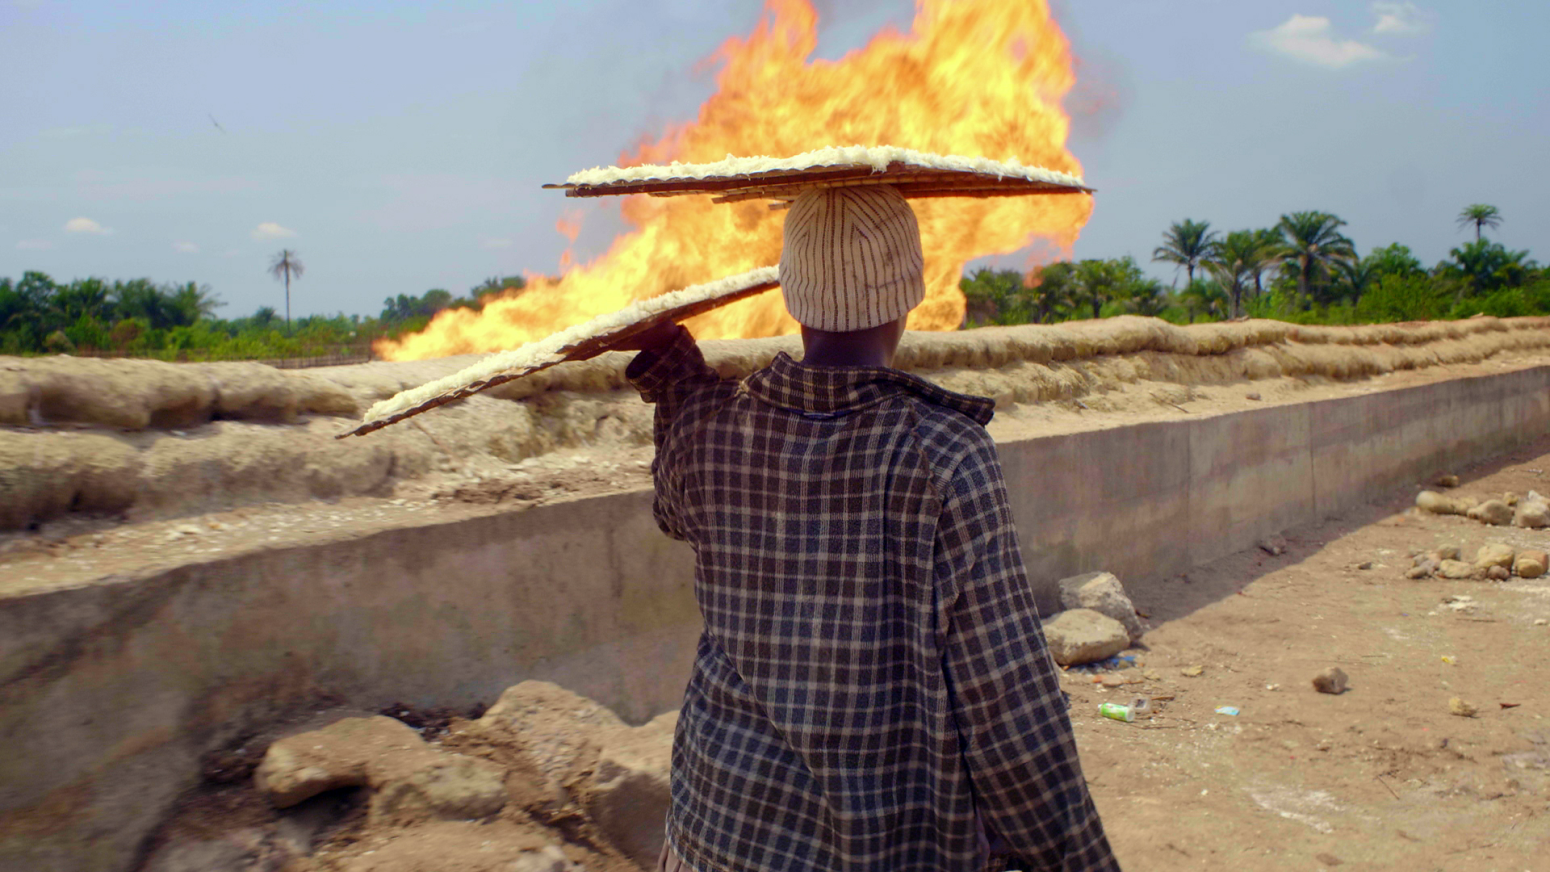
(111,693)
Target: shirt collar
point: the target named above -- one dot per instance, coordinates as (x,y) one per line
(826,390)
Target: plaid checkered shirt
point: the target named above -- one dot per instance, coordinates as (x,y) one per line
(871,690)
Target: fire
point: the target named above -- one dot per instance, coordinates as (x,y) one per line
(972,77)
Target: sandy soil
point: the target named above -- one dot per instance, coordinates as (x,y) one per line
(1380,777)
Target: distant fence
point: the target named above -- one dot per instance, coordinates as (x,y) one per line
(331,356)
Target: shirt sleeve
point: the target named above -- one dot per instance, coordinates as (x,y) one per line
(682,386)
(1006,701)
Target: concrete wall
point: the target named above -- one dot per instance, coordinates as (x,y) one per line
(110,694)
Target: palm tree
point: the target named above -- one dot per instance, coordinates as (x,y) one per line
(1314,245)
(1229,261)
(1356,276)
(1269,249)
(1185,244)
(286,266)
(1480,215)
(1203,297)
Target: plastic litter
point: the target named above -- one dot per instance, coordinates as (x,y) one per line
(1229,710)
(1115,711)
(1109,664)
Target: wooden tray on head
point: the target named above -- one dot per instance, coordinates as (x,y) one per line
(582,342)
(915,174)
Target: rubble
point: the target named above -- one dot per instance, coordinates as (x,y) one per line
(1332,680)
(1530,564)
(1493,512)
(1077,636)
(1103,593)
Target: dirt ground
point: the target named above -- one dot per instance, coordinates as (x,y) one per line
(1380,777)
(1383,776)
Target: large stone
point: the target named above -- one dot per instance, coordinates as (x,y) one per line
(1103,593)
(1530,564)
(548,737)
(1079,636)
(1457,569)
(409,780)
(412,787)
(1491,512)
(629,795)
(1532,513)
(1494,554)
(302,766)
(1438,504)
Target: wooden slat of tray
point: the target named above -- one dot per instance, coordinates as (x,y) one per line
(585,349)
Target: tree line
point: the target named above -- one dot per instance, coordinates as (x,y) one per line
(142,318)
(1303,269)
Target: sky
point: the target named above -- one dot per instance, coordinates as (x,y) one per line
(398,147)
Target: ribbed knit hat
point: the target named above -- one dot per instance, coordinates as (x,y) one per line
(851,258)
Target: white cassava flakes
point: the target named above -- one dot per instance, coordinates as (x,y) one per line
(551,349)
(877,157)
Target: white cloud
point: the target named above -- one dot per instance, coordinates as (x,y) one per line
(34,244)
(86,225)
(185,247)
(1307,38)
(271,230)
(1400,19)
(496,243)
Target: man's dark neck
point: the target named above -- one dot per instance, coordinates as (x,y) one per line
(871,347)
(826,354)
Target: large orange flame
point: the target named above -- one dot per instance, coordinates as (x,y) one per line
(982,78)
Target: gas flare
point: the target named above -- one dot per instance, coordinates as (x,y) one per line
(982,78)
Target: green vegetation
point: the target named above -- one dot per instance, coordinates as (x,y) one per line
(1302,270)
(140,318)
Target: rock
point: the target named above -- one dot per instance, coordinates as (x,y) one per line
(1192,671)
(1530,564)
(1498,573)
(410,788)
(1252,396)
(1425,570)
(409,780)
(1332,680)
(1461,708)
(1078,636)
(1438,504)
(1494,554)
(1532,514)
(1275,545)
(1493,512)
(629,795)
(1447,481)
(302,766)
(1510,498)
(1103,593)
(549,737)
(1456,569)
(1447,552)
(1365,564)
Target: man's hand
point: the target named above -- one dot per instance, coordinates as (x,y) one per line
(649,339)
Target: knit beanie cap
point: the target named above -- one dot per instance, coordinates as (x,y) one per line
(851,258)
